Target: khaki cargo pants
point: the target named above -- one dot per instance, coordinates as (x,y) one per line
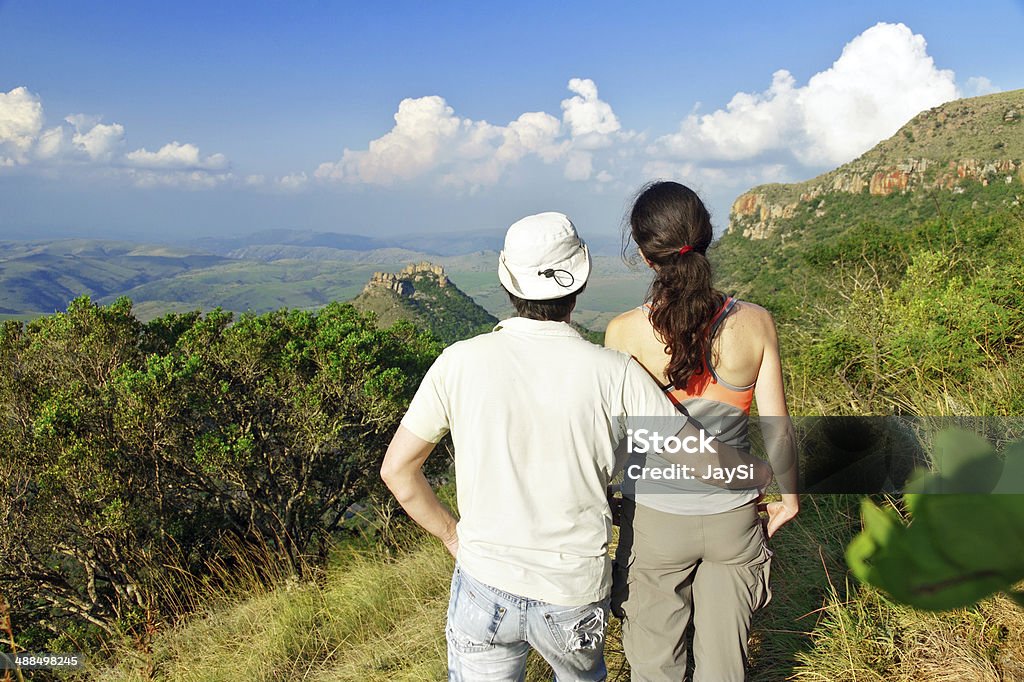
(670,568)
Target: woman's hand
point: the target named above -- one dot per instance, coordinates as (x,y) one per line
(780,513)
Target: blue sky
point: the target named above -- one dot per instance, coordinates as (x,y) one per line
(163,120)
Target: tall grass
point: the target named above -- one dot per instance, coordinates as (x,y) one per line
(376,615)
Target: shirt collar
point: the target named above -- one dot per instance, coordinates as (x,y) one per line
(541,327)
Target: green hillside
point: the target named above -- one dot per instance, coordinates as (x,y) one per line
(423,295)
(897,279)
(42,277)
(949,166)
(257,286)
(949,147)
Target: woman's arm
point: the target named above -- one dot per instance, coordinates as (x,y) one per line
(779,437)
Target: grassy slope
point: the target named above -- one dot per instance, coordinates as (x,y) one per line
(379,618)
(974,128)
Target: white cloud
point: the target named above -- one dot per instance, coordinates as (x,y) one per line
(590,120)
(51,143)
(292,181)
(185,179)
(98,141)
(977,86)
(175,155)
(883,77)
(732,179)
(422,127)
(534,132)
(21,119)
(580,166)
(84,142)
(429,138)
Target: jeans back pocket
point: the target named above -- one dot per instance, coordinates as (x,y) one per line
(473,616)
(579,628)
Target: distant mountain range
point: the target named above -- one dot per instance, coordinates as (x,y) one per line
(41,277)
(322,243)
(307,244)
(37,277)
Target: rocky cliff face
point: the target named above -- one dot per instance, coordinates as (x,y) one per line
(403,282)
(975,140)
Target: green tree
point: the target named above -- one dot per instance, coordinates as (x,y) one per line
(131,454)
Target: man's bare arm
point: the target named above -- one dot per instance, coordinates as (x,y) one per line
(402,471)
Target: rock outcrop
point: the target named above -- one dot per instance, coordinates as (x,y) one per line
(974,140)
(404,281)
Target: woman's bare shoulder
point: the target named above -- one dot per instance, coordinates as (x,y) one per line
(624,329)
(749,329)
(629,318)
(751,316)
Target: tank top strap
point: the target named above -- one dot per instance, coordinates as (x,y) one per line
(716,322)
(723,312)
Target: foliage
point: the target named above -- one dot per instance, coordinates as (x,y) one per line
(450,314)
(962,545)
(914,304)
(133,453)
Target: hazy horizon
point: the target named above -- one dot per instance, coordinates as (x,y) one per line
(191,120)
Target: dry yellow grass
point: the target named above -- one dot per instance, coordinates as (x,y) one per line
(374,618)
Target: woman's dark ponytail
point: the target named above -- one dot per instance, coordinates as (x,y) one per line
(666,219)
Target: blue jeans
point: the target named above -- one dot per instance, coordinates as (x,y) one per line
(489,633)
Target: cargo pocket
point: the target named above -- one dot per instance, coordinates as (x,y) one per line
(761,571)
(473,617)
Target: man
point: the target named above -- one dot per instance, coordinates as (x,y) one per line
(537,419)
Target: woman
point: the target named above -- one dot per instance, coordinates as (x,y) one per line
(688,551)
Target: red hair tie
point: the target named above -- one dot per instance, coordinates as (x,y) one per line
(685,249)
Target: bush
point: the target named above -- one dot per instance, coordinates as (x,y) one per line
(134,454)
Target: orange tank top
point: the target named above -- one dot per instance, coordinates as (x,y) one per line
(707,384)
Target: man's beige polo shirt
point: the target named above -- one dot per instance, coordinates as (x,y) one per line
(535,413)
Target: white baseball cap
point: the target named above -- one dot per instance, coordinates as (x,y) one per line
(543,258)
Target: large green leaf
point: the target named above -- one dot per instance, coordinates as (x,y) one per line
(958,548)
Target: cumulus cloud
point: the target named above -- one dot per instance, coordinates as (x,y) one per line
(175,155)
(184,179)
(21,119)
(81,141)
(292,181)
(579,166)
(430,138)
(422,127)
(883,77)
(590,120)
(98,141)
